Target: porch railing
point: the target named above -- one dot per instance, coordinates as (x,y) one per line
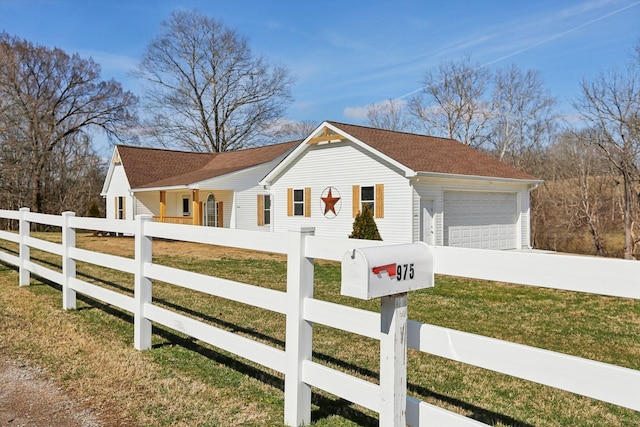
(174,219)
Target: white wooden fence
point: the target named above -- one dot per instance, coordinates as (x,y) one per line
(609,383)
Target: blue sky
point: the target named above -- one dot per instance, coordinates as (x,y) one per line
(348,54)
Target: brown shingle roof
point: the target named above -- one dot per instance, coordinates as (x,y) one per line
(172,168)
(151,167)
(146,165)
(432,154)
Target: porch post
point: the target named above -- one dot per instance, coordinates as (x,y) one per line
(163,205)
(196,208)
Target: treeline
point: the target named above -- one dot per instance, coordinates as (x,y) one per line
(206,91)
(51,104)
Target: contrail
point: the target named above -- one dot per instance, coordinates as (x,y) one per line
(541,42)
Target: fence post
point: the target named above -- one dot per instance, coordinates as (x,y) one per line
(25,252)
(300,269)
(142,285)
(393,360)
(68,263)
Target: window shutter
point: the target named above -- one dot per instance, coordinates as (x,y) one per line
(220,219)
(307,201)
(379,200)
(124,208)
(260,210)
(289,201)
(355,196)
(115,208)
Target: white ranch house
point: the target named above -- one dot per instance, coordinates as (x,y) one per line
(421,188)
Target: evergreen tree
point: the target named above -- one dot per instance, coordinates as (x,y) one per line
(364,226)
(94,209)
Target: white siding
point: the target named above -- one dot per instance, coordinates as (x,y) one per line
(148,203)
(118,187)
(525,212)
(243,212)
(342,165)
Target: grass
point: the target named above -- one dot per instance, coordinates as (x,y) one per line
(182,381)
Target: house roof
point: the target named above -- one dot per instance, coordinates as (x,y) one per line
(155,168)
(146,165)
(431,154)
(152,168)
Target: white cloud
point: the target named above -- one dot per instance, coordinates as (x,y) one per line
(355,113)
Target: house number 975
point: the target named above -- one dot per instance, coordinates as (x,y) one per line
(404,270)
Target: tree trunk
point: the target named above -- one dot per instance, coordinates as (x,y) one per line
(628,219)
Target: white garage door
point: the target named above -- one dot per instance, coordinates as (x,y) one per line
(480,220)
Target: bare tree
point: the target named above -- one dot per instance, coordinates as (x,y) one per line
(287,130)
(611,105)
(49,99)
(452,102)
(522,111)
(585,187)
(389,115)
(207,91)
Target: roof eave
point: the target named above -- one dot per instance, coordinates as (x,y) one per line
(168,188)
(479,178)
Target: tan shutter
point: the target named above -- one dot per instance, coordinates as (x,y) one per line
(307,201)
(124,208)
(115,211)
(356,200)
(220,219)
(379,200)
(260,210)
(289,201)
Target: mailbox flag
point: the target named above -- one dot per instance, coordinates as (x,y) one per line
(389,268)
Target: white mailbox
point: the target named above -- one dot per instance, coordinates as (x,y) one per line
(387,270)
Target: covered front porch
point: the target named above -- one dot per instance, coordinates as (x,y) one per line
(194,207)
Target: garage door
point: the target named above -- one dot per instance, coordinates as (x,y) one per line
(480,220)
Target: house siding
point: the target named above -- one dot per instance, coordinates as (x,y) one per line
(341,166)
(242,212)
(119,187)
(525,212)
(148,203)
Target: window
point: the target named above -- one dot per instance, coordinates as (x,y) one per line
(367,198)
(185,206)
(120,208)
(298,202)
(372,196)
(264,209)
(267,210)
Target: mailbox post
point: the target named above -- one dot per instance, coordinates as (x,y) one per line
(390,272)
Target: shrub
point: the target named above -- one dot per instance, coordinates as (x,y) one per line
(94,210)
(364,226)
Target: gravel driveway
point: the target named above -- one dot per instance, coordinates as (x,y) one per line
(28,398)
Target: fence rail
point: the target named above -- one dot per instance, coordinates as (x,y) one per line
(609,383)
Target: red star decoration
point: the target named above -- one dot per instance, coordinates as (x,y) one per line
(330,203)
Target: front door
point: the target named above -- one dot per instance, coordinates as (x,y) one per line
(211,212)
(427,232)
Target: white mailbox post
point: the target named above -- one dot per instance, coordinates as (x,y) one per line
(390,272)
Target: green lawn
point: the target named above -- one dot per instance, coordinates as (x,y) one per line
(184,382)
